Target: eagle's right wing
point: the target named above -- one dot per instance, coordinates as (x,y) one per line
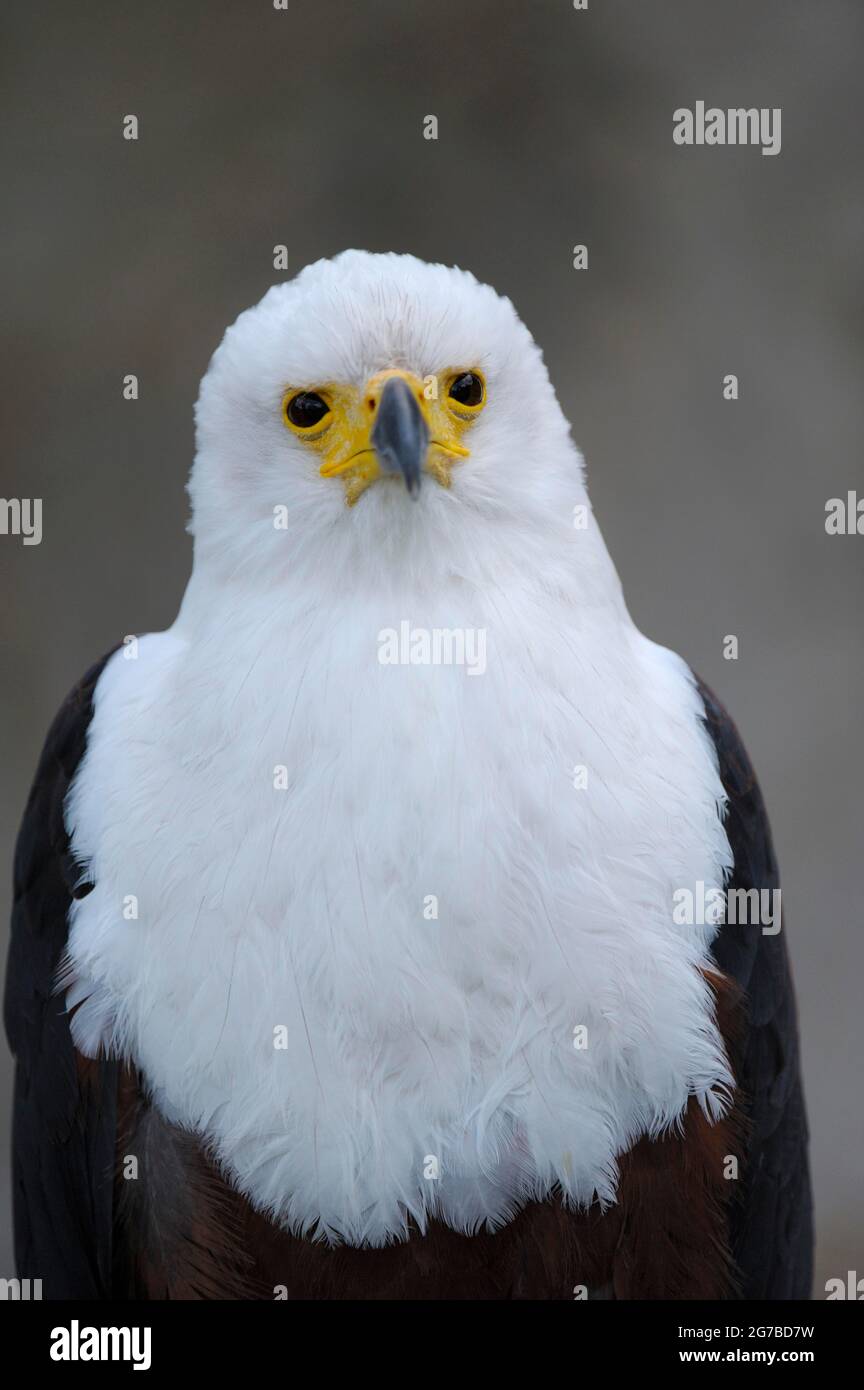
(64,1116)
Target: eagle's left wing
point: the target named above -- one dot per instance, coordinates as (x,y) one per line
(771,1214)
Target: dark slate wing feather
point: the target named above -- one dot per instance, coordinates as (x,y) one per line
(64,1116)
(771,1217)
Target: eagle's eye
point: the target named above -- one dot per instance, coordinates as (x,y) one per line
(306,409)
(467,389)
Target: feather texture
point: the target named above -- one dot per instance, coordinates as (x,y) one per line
(332,1090)
(428,1066)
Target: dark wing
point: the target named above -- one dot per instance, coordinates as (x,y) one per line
(772,1238)
(65,1107)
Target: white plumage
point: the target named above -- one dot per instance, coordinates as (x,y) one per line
(261,907)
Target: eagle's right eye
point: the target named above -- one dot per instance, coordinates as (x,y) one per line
(306,409)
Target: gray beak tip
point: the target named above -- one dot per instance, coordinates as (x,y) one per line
(400,436)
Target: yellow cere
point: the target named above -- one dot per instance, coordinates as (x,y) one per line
(342,436)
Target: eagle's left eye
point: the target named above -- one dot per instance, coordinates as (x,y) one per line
(467,389)
(306,409)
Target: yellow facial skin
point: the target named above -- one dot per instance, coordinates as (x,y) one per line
(342,438)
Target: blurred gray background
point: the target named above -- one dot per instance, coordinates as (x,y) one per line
(304,127)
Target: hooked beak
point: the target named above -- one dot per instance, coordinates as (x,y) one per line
(393,428)
(400,436)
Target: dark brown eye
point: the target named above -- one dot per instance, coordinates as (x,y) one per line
(467,389)
(306,409)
